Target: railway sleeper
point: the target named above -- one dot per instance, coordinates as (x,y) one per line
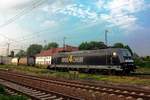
(36,95)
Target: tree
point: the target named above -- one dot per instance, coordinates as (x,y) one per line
(21,53)
(84,46)
(147,58)
(97,45)
(118,45)
(50,45)
(11,54)
(34,49)
(93,45)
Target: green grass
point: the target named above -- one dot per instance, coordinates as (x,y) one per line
(143,69)
(2,90)
(139,62)
(105,78)
(6,97)
(117,79)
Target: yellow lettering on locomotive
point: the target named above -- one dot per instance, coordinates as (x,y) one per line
(70,59)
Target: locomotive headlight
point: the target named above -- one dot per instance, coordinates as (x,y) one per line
(114,54)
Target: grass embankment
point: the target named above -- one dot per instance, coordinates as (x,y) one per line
(5,96)
(142,63)
(143,69)
(105,78)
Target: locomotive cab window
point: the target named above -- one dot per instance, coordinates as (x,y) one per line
(126,54)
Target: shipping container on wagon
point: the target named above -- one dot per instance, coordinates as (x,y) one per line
(43,60)
(22,61)
(5,60)
(1,59)
(30,61)
(14,61)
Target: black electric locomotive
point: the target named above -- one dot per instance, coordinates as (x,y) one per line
(111,59)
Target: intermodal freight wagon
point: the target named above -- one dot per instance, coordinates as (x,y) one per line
(30,61)
(5,60)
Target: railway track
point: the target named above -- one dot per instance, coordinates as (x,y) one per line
(33,93)
(80,90)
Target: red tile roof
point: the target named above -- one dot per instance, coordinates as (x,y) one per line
(53,51)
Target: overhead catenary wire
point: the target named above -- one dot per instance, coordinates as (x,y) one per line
(23,12)
(41,32)
(39,2)
(18,15)
(45,0)
(23,40)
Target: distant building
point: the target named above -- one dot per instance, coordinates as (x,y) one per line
(45,57)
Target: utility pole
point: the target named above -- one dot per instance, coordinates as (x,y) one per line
(106,31)
(45,42)
(8,44)
(64,45)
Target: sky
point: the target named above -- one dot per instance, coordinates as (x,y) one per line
(25,22)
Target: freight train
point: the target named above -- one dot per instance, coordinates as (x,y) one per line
(106,60)
(111,59)
(29,61)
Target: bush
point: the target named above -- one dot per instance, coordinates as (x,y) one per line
(2,90)
(141,63)
(147,64)
(4,97)
(17,98)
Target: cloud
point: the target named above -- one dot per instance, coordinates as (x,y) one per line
(121,12)
(49,23)
(118,10)
(80,11)
(67,7)
(100,4)
(10,4)
(55,5)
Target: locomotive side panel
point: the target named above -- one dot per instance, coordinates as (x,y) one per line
(87,59)
(71,60)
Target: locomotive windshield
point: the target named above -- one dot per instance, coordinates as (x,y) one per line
(126,54)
